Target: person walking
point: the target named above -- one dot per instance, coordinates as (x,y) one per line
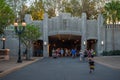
(62,52)
(91,65)
(85,54)
(73,52)
(92,53)
(81,55)
(89,54)
(66,52)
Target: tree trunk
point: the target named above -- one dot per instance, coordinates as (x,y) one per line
(28,55)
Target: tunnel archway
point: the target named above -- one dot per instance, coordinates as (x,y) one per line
(38,48)
(64,41)
(92,44)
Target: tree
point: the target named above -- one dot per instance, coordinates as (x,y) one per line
(52,7)
(37,10)
(112,14)
(23,11)
(73,6)
(6,15)
(30,35)
(89,7)
(19,7)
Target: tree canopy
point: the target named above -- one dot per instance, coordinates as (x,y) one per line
(75,7)
(30,35)
(112,16)
(17,6)
(6,15)
(37,10)
(112,11)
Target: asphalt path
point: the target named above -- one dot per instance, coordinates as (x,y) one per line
(63,69)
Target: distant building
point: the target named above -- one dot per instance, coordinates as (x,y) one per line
(65,31)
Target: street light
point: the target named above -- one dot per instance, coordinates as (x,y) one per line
(19,31)
(3,39)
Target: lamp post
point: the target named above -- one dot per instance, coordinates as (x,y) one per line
(3,39)
(19,31)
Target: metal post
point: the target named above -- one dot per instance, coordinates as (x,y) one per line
(19,52)
(3,39)
(19,32)
(3,44)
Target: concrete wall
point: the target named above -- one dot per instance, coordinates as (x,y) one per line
(12,43)
(109,39)
(92,29)
(66,24)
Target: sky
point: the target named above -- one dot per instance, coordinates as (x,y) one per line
(29,2)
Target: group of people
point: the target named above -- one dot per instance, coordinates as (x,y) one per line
(86,55)
(60,52)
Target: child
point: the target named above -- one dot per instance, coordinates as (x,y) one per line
(81,55)
(91,65)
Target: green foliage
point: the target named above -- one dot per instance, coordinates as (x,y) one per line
(30,35)
(89,7)
(6,15)
(111,53)
(112,15)
(73,7)
(37,10)
(112,11)
(17,6)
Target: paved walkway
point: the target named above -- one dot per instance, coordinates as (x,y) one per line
(63,68)
(7,67)
(110,61)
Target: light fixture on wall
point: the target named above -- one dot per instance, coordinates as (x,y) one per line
(84,43)
(102,43)
(45,43)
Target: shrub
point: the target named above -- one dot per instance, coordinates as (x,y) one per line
(110,53)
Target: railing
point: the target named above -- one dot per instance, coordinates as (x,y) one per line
(112,26)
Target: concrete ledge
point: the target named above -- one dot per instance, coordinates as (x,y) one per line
(4,54)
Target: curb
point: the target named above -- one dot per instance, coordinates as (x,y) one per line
(108,65)
(17,67)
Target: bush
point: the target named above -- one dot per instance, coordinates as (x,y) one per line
(111,53)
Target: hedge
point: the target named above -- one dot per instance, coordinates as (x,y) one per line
(111,53)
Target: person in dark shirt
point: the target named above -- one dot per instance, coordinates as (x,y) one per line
(91,65)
